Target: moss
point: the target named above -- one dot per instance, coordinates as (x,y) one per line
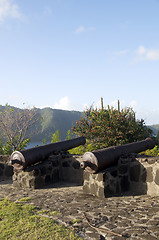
(19,221)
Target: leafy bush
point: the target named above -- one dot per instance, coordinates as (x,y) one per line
(56,136)
(152,152)
(108,127)
(7,148)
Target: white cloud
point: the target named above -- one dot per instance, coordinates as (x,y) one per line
(121,52)
(64,104)
(8,9)
(143,54)
(82,29)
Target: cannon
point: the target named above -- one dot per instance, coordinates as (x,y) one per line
(22,159)
(99,160)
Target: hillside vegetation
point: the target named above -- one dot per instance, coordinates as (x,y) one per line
(49,120)
(154,128)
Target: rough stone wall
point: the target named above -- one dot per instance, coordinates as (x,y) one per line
(55,169)
(6,170)
(131,176)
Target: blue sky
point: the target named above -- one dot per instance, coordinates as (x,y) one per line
(67,54)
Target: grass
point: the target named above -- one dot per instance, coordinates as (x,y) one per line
(20,221)
(26,199)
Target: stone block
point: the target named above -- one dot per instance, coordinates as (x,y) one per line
(66,164)
(135,173)
(31,183)
(2,165)
(86,175)
(47,179)
(101,191)
(149,176)
(144,175)
(99,177)
(1,172)
(55,175)
(55,163)
(157,177)
(8,171)
(43,170)
(124,184)
(123,169)
(39,182)
(76,165)
(86,188)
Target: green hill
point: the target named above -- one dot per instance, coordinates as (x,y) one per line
(49,121)
(154,128)
(52,120)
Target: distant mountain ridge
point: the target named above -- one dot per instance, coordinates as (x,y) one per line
(50,121)
(154,128)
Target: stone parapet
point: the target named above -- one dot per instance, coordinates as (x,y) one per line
(56,168)
(6,170)
(133,175)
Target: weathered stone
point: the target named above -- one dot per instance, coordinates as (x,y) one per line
(114,172)
(124,183)
(76,165)
(2,165)
(108,191)
(43,170)
(1,172)
(135,173)
(86,175)
(123,160)
(92,189)
(86,188)
(31,183)
(55,163)
(151,160)
(55,175)
(118,190)
(101,191)
(39,182)
(144,175)
(65,164)
(47,179)
(36,172)
(149,177)
(123,169)
(99,177)
(157,177)
(8,171)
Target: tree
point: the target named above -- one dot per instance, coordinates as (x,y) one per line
(55,136)
(69,135)
(108,127)
(14,126)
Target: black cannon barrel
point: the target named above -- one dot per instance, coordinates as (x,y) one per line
(22,159)
(98,160)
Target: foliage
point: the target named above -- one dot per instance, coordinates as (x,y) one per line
(21,221)
(152,152)
(44,141)
(7,149)
(55,136)
(69,135)
(108,127)
(14,125)
(88,147)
